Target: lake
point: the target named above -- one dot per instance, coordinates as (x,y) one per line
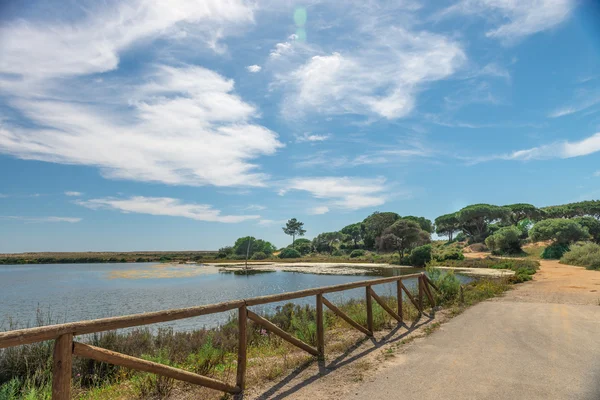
(73,292)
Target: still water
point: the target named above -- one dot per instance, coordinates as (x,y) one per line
(72,292)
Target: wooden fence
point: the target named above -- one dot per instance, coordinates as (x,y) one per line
(65,347)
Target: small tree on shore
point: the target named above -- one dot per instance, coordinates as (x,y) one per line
(294,228)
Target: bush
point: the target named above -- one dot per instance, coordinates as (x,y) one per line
(337,253)
(449,254)
(583,255)
(420,255)
(290,253)
(554,251)
(357,253)
(559,230)
(478,247)
(303,248)
(259,255)
(505,241)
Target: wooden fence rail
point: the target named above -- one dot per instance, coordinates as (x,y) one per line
(65,347)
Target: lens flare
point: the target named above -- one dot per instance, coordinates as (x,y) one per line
(300,16)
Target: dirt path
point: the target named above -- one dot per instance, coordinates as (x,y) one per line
(539,341)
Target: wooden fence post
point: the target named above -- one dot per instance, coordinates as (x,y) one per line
(421,303)
(242,345)
(320,327)
(62,364)
(369,309)
(399,290)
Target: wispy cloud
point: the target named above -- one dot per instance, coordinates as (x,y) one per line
(309,137)
(2,196)
(270,222)
(211,137)
(73,194)
(283,48)
(165,206)
(561,149)
(318,210)
(254,207)
(37,49)
(254,68)
(575,107)
(342,192)
(519,18)
(39,220)
(380,77)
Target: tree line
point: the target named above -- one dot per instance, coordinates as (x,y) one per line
(387,232)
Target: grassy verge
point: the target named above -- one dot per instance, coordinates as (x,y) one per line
(25,371)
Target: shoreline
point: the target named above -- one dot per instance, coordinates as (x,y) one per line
(346,268)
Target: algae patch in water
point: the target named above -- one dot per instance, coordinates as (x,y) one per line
(162,271)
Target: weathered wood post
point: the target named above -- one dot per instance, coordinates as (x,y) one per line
(369,309)
(242,348)
(62,364)
(421,304)
(399,290)
(320,327)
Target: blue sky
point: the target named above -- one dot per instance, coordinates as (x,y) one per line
(171,125)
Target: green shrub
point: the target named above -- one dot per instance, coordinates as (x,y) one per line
(259,255)
(290,253)
(505,241)
(303,248)
(554,251)
(449,254)
(357,253)
(559,230)
(337,253)
(583,255)
(420,255)
(447,283)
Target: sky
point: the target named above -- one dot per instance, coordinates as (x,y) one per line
(185,124)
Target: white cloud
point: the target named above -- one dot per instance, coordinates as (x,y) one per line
(164,206)
(283,48)
(73,194)
(254,68)
(342,192)
(183,126)
(270,222)
(575,108)
(255,207)
(36,220)
(519,18)
(318,210)
(3,195)
(38,49)
(380,78)
(561,149)
(308,137)
(597,173)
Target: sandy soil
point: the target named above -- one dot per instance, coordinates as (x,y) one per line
(559,283)
(350,269)
(176,270)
